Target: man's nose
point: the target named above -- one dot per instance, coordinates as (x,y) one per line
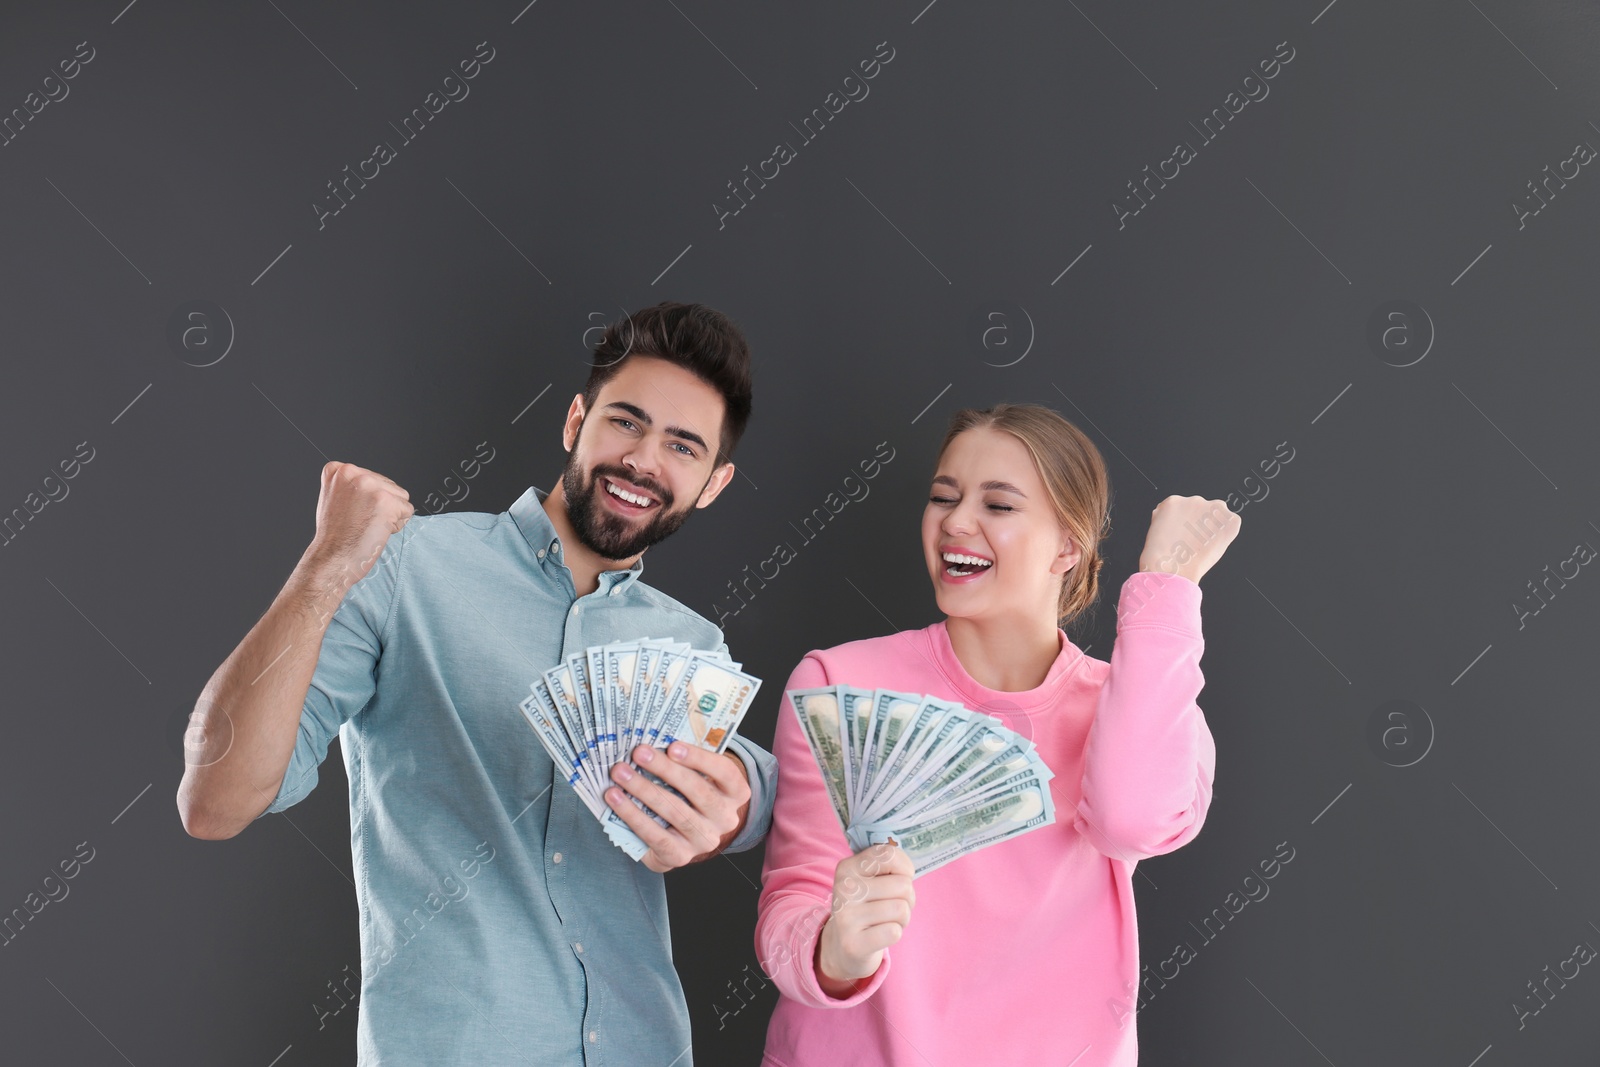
(642,458)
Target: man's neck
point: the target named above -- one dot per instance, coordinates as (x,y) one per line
(584,564)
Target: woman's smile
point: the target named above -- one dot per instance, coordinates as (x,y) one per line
(962,565)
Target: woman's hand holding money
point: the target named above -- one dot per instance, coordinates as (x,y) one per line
(705,820)
(872,899)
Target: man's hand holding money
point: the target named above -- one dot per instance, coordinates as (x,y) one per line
(704,820)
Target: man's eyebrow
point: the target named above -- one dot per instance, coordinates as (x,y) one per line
(1004,487)
(644,417)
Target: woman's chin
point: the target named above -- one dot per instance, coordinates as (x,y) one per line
(955,603)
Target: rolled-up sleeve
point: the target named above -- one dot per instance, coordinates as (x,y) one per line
(761,767)
(346,676)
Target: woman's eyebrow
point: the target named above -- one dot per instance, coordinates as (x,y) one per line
(1004,487)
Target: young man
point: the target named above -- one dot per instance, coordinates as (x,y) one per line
(499,925)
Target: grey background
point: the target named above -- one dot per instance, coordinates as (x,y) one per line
(1383,563)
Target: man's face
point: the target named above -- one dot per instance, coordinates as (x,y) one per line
(642,458)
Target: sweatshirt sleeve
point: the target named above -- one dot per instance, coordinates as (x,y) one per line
(1149,759)
(804,847)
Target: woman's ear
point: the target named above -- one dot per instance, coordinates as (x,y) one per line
(1067,557)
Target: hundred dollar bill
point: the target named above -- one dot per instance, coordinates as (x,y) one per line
(546,727)
(578,667)
(855,716)
(993,758)
(594,665)
(665,682)
(934,722)
(564,690)
(1010,773)
(711,701)
(675,657)
(621,662)
(892,713)
(975,748)
(591,710)
(818,712)
(1025,807)
(937,744)
(660,688)
(623,836)
(668,660)
(705,706)
(640,689)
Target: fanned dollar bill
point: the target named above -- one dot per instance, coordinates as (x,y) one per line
(933,776)
(590,710)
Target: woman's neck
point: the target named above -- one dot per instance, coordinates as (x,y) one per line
(1010,654)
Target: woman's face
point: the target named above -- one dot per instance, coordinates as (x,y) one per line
(988,509)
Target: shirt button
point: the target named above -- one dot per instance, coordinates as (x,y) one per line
(575,608)
(615,590)
(541,553)
(594,1035)
(577,946)
(556,858)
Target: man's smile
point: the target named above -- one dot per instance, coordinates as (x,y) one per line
(626,498)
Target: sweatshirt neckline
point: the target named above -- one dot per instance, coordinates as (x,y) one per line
(977,695)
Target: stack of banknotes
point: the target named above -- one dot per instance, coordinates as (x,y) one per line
(933,776)
(591,710)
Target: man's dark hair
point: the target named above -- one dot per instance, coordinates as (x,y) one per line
(700,339)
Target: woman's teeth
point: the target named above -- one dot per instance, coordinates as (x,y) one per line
(961,565)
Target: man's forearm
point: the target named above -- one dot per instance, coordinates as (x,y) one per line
(242,732)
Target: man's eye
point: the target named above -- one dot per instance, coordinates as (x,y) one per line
(626,424)
(686,449)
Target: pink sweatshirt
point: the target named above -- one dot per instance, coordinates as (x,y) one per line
(1026,952)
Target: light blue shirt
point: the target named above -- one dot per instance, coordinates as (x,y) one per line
(498,923)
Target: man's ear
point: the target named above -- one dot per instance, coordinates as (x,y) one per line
(719,478)
(569,432)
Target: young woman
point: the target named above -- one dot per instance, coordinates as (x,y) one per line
(1025,952)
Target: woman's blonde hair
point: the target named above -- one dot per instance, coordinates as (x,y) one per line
(1074,474)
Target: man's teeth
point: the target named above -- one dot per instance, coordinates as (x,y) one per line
(632,498)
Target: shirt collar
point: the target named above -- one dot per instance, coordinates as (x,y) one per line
(540,533)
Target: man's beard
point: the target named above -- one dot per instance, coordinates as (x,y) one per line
(608,535)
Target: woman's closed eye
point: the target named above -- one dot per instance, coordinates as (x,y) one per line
(994,506)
